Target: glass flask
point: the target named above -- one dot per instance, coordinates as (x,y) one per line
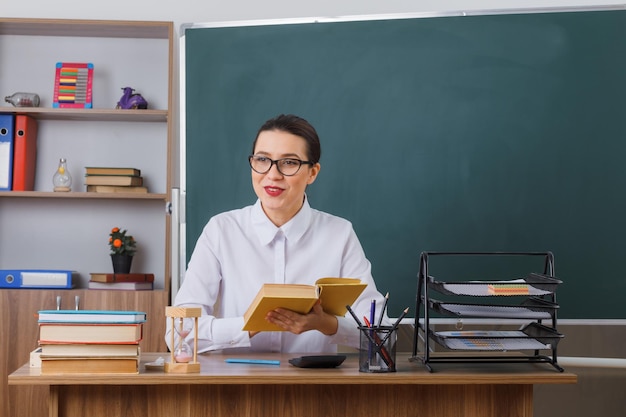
(23,99)
(62,179)
(183,353)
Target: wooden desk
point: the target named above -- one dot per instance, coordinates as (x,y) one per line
(221,389)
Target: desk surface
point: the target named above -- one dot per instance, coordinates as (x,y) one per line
(214,371)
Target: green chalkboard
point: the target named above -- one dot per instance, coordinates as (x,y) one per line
(503,132)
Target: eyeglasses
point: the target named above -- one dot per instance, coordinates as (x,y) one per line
(286,166)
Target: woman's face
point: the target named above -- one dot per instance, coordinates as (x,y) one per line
(282,196)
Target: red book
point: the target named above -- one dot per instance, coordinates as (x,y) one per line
(24,153)
(110,277)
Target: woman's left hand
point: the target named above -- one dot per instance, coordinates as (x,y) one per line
(298,323)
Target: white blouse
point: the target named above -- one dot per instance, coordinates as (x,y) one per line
(240,250)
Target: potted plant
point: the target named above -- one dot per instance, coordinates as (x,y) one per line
(123,247)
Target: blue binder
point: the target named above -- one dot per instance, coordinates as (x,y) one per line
(6,151)
(37,278)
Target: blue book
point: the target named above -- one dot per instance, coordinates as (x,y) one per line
(7,124)
(91,316)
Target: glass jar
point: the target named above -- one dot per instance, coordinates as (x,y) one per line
(62,179)
(23,99)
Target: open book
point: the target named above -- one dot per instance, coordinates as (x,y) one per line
(334,293)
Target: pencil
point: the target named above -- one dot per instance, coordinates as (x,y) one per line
(354,316)
(382,312)
(395,325)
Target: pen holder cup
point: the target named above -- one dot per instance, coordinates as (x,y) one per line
(377,352)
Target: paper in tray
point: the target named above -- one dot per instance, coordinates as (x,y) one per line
(531,308)
(493,344)
(483,311)
(533,336)
(537,284)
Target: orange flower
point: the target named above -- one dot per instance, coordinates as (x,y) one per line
(121,243)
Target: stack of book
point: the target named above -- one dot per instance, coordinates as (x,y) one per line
(90,341)
(111,281)
(114,180)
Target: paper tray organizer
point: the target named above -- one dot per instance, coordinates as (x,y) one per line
(497,301)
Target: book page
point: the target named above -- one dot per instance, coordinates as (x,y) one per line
(336,293)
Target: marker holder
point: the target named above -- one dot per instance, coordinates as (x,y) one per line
(377,351)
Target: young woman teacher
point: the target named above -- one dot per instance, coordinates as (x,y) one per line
(279,239)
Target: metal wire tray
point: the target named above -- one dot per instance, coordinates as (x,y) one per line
(533,336)
(532,308)
(538,285)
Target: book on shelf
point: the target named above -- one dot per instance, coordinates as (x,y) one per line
(137,286)
(90,350)
(334,293)
(91,316)
(90,333)
(113,277)
(116,189)
(89,365)
(112,171)
(126,180)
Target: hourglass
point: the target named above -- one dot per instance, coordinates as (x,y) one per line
(183,358)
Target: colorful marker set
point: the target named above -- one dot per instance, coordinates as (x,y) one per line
(73,85)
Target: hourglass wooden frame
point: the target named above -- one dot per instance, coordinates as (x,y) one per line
(182,313)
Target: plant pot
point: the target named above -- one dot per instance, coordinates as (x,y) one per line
(121,263)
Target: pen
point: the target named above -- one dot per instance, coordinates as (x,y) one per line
(370,323)
(253,361)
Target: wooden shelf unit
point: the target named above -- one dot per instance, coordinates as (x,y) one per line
(151,132)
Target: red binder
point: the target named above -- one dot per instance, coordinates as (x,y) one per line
(24,153)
